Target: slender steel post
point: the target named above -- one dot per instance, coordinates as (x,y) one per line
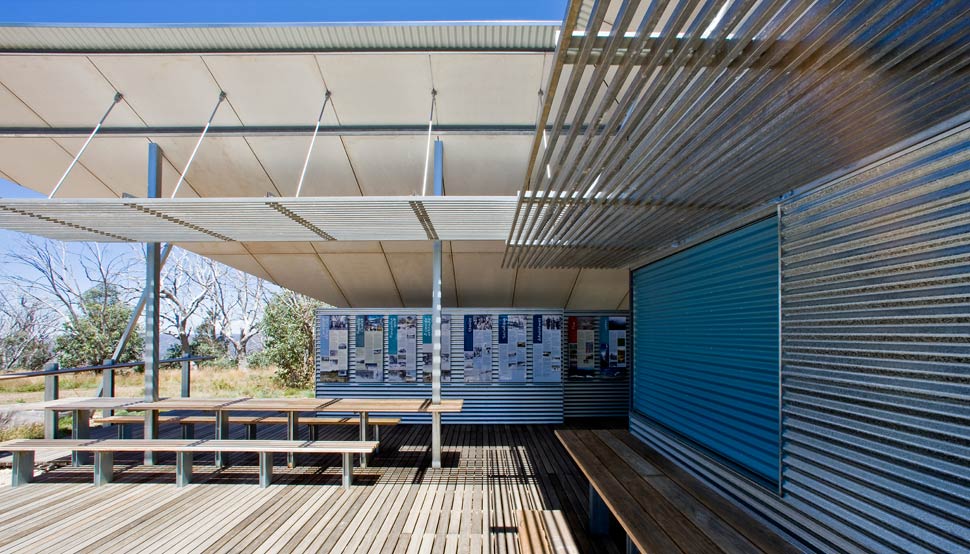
(436,316)
(51,392)
(117,98)
(153,264)
(103,468)
(265,469)
(313,140)
(80,429)
(292,433)
(222,96)
(139,308)
(107,385)
(186,376)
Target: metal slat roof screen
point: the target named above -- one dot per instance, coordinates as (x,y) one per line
(705,325)
(876,352)
(663,118)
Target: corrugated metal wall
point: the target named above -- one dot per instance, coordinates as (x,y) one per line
(706,337)
(876,362)
(484,402)
(597,398)
(876,352)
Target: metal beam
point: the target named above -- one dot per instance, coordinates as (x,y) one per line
(153,263)
(269,130)
(436,317)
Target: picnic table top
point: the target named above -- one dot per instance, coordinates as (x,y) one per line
(95,403)
(404,405)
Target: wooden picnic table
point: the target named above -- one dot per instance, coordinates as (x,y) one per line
(363,406)
(291,406)
(81,409)
(215,405)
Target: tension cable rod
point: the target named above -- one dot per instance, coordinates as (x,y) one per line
(114,102)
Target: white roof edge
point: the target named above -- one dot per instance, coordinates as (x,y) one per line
(280,37)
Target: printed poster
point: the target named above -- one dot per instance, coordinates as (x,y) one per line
(427,347)
(333,348)
(402,365)
(547,348)
(511,348)
(582,346)
(370,349)
(612,346)
(478,348)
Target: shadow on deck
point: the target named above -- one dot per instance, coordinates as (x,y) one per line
(398,503)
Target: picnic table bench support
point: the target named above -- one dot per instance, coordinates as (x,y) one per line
(265,469)
(599,514)
(80,429)
(222,432)
(183,469)
(363,436)
(151,432)
(436,440)
(23,468)
(104,468)
(348,470)
(292,433)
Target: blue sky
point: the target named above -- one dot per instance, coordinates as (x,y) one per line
(274,11)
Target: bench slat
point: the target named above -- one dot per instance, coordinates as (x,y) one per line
(166,445)
(753,531)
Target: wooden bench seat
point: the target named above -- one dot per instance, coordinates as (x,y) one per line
(660,506)
(544,532)
(23,454)
(251,422)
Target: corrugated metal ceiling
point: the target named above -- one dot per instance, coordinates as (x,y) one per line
(529,36)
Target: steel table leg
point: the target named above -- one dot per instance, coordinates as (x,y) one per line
(363,436)
(222,432)
(80,429)
(292,433)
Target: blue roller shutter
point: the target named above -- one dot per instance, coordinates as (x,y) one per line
(706,347)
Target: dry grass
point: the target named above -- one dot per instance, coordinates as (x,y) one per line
(206,382)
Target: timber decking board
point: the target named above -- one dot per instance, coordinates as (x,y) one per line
(397,504)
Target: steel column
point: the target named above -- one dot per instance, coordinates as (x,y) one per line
(186,376)
(107,385)
(51,392)
(436,316)
(153,256)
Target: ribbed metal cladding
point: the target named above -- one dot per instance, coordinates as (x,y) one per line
(535,36)
(485,403)
(876,351)
(705,326)
(595,399)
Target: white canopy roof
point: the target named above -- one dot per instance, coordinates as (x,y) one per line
(372,145)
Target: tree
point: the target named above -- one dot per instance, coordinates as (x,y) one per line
(25,334)
(238,303)
(209,341)
(91,336)
(288,333)
(188,281)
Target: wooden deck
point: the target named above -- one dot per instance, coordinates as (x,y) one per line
(397,504)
